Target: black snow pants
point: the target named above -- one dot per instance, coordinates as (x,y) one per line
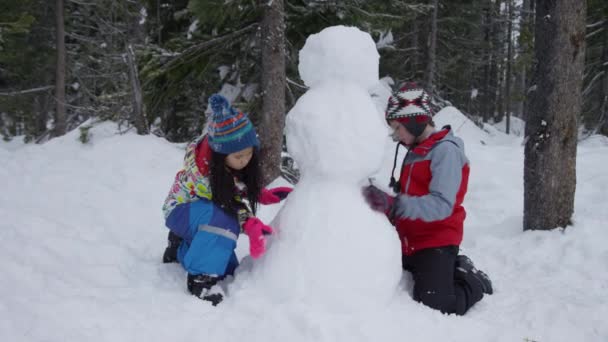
(438,284)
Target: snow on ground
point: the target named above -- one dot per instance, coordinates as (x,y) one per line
(82,237)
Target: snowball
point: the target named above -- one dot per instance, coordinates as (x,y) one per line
(339,53)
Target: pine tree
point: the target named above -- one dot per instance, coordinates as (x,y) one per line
(26,67)
(555,104)
(595,93)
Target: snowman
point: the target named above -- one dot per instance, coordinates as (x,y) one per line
(331,250)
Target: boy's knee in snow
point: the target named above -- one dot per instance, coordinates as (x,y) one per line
(443,302)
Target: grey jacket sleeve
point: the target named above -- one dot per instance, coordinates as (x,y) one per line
(446,175)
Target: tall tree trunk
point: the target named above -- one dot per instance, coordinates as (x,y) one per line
(499,57)
(415,46)
(509,62)
(41,104)
(138,114)
(529,79)
(159,24)
(495,59)
(432,47)
(603,124)
(60,113)
(486,91)
(272,121)
(523,46)
(136,35)
(551,129)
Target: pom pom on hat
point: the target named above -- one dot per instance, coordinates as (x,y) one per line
(218,104)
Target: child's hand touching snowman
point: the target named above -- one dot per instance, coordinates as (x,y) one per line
(378,200)
(256,229)
(274,195)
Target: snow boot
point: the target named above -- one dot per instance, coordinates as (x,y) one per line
(464,265)
(205,287)
(171,251)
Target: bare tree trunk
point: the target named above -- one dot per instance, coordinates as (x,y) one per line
(551,129)
(41,104)
(159,23)
(486,91)
(499,57)
(603,124)
(139,114)
(272,121)
(495,49)
(60,113)
(414,45)
(529,79)
(522,75)
(432,53)
(509,62)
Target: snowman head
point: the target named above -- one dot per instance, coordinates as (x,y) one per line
(339,53)
(334,130)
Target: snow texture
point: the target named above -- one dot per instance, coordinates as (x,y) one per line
(82,238)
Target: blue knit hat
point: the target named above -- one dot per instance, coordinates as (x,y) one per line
(229,130)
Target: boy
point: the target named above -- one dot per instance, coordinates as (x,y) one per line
(428,212)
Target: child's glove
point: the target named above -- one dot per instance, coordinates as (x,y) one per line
(256,229)
(378,200)
(274,195)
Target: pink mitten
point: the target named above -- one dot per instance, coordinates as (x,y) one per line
(255,229)
(274,195)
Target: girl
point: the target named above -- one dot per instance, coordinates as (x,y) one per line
(213,198)
(428,211)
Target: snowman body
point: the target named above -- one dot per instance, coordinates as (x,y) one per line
(331,249)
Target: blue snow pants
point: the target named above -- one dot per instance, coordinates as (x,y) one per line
(209,237)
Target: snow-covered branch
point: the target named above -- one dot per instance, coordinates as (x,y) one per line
(590,85)
(589,35)
(290,81)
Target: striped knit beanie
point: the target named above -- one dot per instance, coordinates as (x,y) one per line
(410,106)
(229,130)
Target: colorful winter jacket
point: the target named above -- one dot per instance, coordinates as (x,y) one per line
(191,183)
(434,179)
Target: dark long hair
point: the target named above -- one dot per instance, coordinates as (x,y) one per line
(222,182)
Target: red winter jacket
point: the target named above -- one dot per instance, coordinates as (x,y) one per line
(434,178)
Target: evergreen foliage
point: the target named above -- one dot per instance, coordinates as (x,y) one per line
(189,49)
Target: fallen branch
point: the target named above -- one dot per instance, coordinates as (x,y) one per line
(26,91)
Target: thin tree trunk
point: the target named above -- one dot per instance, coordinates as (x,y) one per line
(603,124)
(414,45)
(499,46)
(430,66)
(529,78)
(139,114)
(41,107)
(486,91)
(159,24)
(494,66)
(509,62)
(272,121)
(551,128)
(523,50)
(60,112)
